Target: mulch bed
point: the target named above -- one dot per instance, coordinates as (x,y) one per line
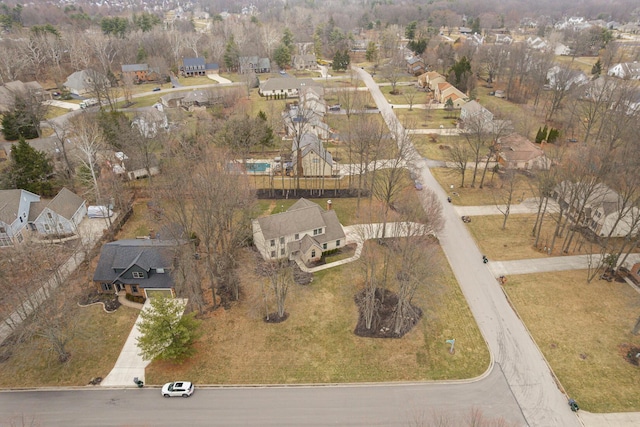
(630,353)
(382,325)
(110,301)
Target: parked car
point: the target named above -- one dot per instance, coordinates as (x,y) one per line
(156,89)
(178,388)
(418,185)
(335,107)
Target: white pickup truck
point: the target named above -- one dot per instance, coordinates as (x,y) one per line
(89,103)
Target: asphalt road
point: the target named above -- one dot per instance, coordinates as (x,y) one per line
(352,405)
(525,369)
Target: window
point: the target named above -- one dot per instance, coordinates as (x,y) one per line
(282,252)
(297,236)
(313,253)
(107,287)
(4,230)
(5,241)
(273,254)
(337,243)
(46,227)
(137,275)
(317,231)
(49,215)
(60,226)
(324,246)
(19,237)
(282,240)
(273,242)
(134,289)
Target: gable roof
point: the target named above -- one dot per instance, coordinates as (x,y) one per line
(66,203)
(302,216)
(516,147)
(193,62)
(10,90)
(286,83)
(119,256)
(131,68)
(10,203)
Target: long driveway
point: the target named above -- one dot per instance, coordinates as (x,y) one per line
(525,369)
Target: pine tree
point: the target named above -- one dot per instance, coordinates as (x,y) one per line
(30,169)
(166,334)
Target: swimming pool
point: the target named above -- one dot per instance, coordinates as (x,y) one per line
(258,167)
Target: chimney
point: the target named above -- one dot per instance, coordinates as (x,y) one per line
(152,234)
(328,205)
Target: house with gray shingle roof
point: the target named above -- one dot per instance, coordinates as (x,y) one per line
(136,266)
(14,215)
(10,90)
(304,231)
(22,210)
(625,70)
(140,72)
(84,81)
(315,160)
(254,64)
(284,87)
(60,216)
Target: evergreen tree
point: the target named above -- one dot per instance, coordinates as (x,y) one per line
(231,54)
(553,135)
(417,46)
(410,30)
(341,60)
(287,39)
(21,122)
(166,334)
(371,54)
(30,169)
(597,68)
(282,55)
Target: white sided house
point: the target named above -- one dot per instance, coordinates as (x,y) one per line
(14,215)
(60,216)
(302,232)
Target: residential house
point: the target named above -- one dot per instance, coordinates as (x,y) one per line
(60,216)
(191,100)
(503,39)
(415,66)
(254,64)
(22,210)
(305,231)
(149,121)
(14,215)
(517,152)
(85,81)
(136,266)
(603,212)
(197,67)
(304,62)
(139,73)
(626,70)
(473,112)
(445,91)
(314,159)
(561,49)
(476,39)
(557,76)
(135,168)
(285,87)
(10,90)
(537,43)
(430,80)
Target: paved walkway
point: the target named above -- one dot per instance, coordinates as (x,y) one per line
(129,364)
